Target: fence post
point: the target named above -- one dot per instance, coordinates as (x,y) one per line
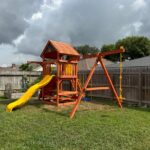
(140,88)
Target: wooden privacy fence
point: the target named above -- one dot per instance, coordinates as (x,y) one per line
(136,84)
(16,79)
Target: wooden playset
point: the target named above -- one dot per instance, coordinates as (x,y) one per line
(61,60)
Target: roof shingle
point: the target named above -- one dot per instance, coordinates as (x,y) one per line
(61,48)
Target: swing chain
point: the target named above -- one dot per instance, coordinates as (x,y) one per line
(120,76)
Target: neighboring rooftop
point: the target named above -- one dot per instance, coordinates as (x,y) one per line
(139,62)
(87,64)
(13,67)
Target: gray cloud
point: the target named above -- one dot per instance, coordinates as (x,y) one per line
(75,21)
(12,14)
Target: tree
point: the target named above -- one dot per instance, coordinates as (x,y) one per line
(86,49)
(26,67)
(135,46)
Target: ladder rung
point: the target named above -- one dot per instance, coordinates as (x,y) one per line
(66,93)
(97,88)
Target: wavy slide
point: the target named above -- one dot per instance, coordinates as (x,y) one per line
(28,94)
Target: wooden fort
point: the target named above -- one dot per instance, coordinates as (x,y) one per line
(59,59)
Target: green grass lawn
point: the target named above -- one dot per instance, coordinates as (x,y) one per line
(96,126)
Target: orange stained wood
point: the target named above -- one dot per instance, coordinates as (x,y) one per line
(111,83)
(111,86)
(68,92)
(103,54)
(61,48)
(65,57)
(59,104)
(97,88)
(121,50)
(83,90)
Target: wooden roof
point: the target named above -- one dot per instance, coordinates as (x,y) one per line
(61,48)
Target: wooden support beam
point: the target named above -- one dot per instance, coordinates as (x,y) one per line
(67,93)
(83,90)
(70,62)
(67,76)
(110,83)
(112,52)
(103,54)
(97,88)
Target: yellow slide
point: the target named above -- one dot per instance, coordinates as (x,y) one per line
(28,94)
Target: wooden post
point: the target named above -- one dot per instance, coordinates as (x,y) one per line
(83,90)
(58,75)
(110,82)
(140,88)
(76,79)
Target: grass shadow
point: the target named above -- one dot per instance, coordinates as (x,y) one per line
(35,103)
(83,107)
(137,108)
(103,101)
(5,101)
(64,113)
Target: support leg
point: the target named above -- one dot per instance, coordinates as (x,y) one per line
(83,90)
(58,90)
(110,82)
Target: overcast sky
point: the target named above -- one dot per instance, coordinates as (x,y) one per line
(26,25)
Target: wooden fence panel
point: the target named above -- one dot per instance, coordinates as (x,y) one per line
(145,89)
(15,78)
(136,83)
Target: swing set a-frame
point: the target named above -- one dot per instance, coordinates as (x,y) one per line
(99,61)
